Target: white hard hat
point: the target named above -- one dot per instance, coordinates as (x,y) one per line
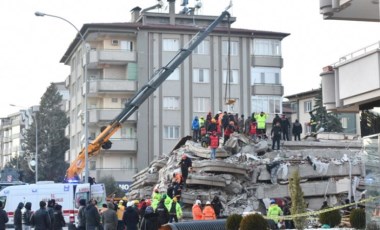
(208,202)
(198,202)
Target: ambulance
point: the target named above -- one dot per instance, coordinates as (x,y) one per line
(66,195)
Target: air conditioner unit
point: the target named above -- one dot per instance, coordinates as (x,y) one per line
(115,42)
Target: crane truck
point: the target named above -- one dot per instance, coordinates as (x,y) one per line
(103,139)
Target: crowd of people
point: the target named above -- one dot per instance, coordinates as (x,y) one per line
(223,124)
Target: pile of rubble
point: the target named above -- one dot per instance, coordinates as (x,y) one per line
(246,174)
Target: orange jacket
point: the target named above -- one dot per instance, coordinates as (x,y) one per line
(208,213)
(197,212)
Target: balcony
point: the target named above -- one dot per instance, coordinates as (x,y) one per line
(124,144)
(119,174)
(267,89)
(106,115)
(115,57)
(67,131)
(267,61)
(363,10)
(111,85)
(353,83)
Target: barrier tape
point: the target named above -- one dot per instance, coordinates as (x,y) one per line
(313,213)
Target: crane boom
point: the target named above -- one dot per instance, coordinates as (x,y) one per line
(77,166)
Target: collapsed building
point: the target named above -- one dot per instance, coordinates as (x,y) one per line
(247,174)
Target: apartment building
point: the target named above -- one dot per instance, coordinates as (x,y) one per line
(122,57)
(13,129)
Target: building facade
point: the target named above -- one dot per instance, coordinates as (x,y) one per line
(122,57)
(301,104)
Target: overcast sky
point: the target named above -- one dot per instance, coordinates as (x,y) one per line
(32,46)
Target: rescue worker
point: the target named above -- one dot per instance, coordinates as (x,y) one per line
(175,211)
(208,212)
(313,122)
(120,213)
(274,211)
(217,205)
(261,123)
(214,144)
(185,164)
(197,210)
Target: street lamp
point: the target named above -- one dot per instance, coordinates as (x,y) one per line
(84,56)
(35,164)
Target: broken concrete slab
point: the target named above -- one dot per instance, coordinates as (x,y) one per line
(209,180)
(200,151)
(218,166)
(313,188)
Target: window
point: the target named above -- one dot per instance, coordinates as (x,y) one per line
(201,104)
(294,107)
(171,132)
(201,75)
(171,103)
(308,106)
(267,104)
(267,47)
(266,75)
(344,122)
(234,77)
(202,48)
(126,45)
(174,76)
(114,100)
(170,44)
(234,48)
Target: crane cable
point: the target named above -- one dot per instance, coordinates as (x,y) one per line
(227,95)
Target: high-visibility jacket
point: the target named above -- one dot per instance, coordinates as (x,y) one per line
(214,141)
(261,120)
(120,211)
(197,212)
(208,213)
(274,211)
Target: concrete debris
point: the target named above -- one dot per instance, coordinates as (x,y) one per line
(246,173)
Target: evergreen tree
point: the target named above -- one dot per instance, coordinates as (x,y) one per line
(52,143)
(369,123)
(298,202)
(329,121)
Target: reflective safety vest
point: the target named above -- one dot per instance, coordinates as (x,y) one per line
(208,213)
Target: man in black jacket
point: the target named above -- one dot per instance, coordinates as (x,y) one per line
(41,219)
(17,220)
(276,135)
(92,216)
(185,164)
(3,217)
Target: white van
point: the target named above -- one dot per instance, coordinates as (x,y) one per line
(67,195)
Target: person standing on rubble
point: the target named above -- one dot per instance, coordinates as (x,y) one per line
(208,212)
(313,122)
(197,210)
(217,205)
(297,130)
(185,164)
(214,144)
(261,123)
(196,128)
(247,124)
(276,136)
(212,127)
(285,126)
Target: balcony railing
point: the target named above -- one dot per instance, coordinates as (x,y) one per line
(124,144)
(111,85)
(106,115)
(110,56)
(357,53)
